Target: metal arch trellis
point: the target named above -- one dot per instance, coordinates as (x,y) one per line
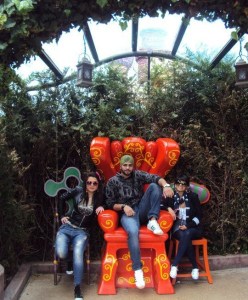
(134,53)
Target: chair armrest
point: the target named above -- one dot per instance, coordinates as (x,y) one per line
(165,220)
(108,220)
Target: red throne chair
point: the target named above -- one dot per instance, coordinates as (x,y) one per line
(154,157)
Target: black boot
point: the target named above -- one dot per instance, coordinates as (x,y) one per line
(77,293)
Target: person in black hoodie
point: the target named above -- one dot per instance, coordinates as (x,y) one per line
(185,210)
(125,194)
(77,210)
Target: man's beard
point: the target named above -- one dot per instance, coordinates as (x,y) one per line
(126,173)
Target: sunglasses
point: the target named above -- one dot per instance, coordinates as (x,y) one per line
(95,183)
(181,183)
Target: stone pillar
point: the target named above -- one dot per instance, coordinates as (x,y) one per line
(1,282)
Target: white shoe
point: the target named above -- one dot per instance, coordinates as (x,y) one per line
(69,269)
(173,272)
(154,227)
(195,274)
(139,279)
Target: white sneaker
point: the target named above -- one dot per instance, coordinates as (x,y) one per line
(154,227)
(69,269)
(139,279)
(195,274)
(173,272)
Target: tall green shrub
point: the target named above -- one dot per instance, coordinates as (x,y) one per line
(16,223)
(208,116)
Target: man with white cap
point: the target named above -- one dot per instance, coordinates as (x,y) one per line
(125,194)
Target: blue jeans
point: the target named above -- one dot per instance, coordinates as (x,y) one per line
(185,246)
(148,207)
(78,238)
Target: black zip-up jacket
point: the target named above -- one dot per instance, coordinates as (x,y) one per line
(68,207)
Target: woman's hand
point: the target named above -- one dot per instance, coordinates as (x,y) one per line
(64,220)
(99,210)
(183,227)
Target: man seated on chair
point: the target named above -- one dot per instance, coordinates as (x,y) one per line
(185,209)
(125,194)
(77,210)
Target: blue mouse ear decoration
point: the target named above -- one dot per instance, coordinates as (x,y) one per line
(52,187)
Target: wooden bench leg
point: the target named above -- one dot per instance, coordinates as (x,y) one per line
(204,267)
(207,269)
(55,271)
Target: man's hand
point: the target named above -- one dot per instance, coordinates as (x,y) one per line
(168,192)
(128,211)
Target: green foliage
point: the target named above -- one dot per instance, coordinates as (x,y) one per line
(45,132)
(110,106)
(15,213)
(102,3)
(26,24)
(208,118)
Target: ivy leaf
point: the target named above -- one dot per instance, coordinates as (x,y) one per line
(10,9)
(100,133)
(123,25)
(25,6)
(186,21)
(102,3)
(67,12)
(78,127)
(15,2)
(3,46)
(234,35)
(10,23)
(3,19)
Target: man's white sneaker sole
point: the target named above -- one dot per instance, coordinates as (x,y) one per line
(154,227)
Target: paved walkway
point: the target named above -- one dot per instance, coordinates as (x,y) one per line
(229,284)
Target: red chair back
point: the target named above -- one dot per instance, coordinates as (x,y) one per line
(157,157)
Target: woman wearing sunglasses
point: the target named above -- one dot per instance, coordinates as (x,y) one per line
(77,209)
(185,210)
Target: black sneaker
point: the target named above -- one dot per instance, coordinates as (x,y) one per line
(77,293)
(69,268)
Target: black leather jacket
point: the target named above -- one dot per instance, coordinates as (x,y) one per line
(72,204)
